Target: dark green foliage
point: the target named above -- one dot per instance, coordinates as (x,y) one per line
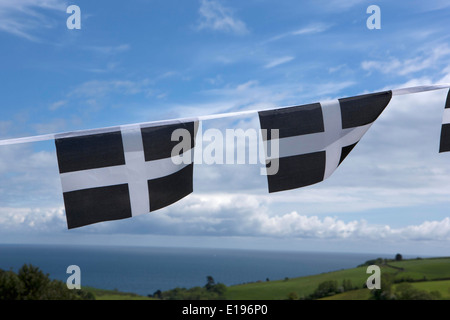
(405,291)
(292,296)
(326,288)
(156,294)
(11,287)
(385,293)
(209,282)
(377,261)
(347,285)
(30,283)
(211,291)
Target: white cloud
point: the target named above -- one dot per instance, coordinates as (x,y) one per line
(423,60)
(228,214)
(5,127)
(108,50)
(278,62)
(28,177)
(32,219)
(333,5)
(249,215)
(22,17)
(296,225)
(337,68)
(56,105)
(252,95)
(100,88)
(309,29)
(51,126)
(217,17)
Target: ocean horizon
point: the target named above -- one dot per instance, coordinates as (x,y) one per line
(144,270)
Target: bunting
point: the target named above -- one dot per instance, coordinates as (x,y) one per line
(314,139)
(445,129)
(120,172)
(123,173)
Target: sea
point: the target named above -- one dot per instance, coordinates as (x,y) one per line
(144,270)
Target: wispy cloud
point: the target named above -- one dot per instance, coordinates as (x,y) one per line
(100,88)
(278,61)
(423,60)
(309,29)
(22,17)
(56,105)
(108,50)
(339,5)
(213,15)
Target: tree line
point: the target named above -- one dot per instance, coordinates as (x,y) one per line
(210,291)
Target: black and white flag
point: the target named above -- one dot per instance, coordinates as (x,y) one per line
(125,172)
(314,139)
(445,129)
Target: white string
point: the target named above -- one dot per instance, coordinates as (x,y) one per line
(53,136)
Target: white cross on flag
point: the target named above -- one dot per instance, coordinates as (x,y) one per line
(123,172)
(315,138)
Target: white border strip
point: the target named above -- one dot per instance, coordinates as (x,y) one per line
(398,92)
(446,116)
(52,136)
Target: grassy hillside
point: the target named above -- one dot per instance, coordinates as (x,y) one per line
(443,287)
(101,294)
(406,270)
(303,286)
(431,274)
(360,294)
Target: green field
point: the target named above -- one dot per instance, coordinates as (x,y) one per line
(406,270)
(302,286)
(101,294)
(443,287)
(360,294)
(432,274)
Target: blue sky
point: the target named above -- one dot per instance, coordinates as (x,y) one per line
(141,61)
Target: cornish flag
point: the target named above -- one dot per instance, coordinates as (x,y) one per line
(314,139)
(445,129)
(124,172)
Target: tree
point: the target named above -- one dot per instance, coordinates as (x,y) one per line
(30,283)
(406,291)
(35,282)
(347,284)
(209,282)
(216,289)
(398,257)
(385,293)
(11,288)
(326,288)
(293,296)
(157,294)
